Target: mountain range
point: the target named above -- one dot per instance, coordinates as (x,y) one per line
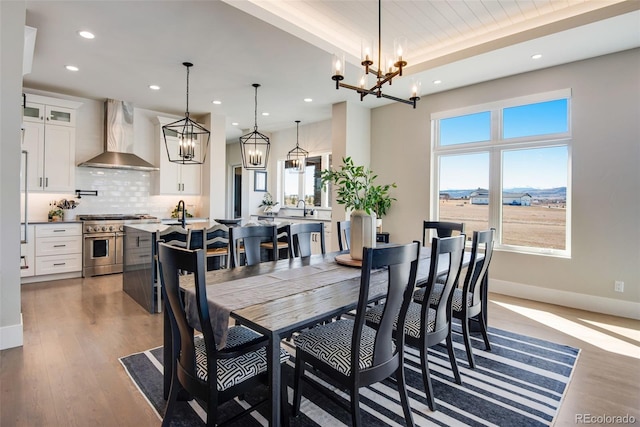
(557,193)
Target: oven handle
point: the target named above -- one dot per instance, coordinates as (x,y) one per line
(99,236)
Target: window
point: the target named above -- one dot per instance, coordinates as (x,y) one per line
(506,165)
(305,186)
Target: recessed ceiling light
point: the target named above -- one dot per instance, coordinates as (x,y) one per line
(154,87)
(235,123)
(265,114)
(217,102)
(86,34)
(71,67)
(536,56)
(308,100)
(437,82)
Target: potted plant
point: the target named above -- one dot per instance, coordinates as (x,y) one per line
(269,204)
(355,189)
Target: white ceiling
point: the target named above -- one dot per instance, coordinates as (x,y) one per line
(287,46)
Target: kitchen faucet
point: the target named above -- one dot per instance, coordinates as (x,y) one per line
(304,207)
(184,213)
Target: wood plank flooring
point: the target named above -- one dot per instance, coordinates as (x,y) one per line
(68,374)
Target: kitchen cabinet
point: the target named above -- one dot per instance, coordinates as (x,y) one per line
(174,178)
(49,138)
(27,252)
(58,249)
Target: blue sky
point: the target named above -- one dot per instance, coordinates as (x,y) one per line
(536,168)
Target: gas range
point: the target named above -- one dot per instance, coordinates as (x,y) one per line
(109,223)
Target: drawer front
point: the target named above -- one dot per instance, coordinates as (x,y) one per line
(55,230)
(58,264)
(58,245)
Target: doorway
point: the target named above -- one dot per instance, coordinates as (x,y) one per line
(237,191)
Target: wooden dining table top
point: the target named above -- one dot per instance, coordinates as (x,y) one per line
(286,295)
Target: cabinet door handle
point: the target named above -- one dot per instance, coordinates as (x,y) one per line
(59,246)
(59,263)
(46,182)
(40,182)
(59,230)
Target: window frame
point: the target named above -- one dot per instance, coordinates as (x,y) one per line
(495,147)
(325,200)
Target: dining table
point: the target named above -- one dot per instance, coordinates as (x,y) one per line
(278,298)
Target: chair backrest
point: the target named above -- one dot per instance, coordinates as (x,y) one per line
(251,237)
(400,264)
(441,228)
(451,251)
(481,253)
(176,236)
(216,236)
(344,234)
(300,238)
(174,260)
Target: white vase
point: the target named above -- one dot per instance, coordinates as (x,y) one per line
(69,214)
(363,232)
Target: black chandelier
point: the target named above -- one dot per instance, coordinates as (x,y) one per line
(296,158)
(254,146)
(185,139)
(392,69)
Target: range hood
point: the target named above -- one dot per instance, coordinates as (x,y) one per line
(118,140)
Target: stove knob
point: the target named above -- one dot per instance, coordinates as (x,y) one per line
(112,228)
(89,229)
(121,228)
(104,228)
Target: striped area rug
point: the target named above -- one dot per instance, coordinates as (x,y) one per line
(521,382)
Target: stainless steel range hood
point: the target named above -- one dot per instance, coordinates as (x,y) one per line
(118,140)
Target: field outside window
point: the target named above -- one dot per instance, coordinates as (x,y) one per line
(516,181)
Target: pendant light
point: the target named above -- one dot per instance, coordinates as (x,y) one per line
(255,146)
(297,158)
(186,141)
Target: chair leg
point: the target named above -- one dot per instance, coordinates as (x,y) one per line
(426,378)
(212,412)
(297,384)
(404,396)
(171,402)
(356,417)
(284,401)
(466,336)
(485,335)
(452,358)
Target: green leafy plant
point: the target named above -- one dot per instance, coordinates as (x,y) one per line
(267,200)
(176,213)
(356,190)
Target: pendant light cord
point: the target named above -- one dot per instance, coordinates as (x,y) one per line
(255,111)
(187,112)
(380,73)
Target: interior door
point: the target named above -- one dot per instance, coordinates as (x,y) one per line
(237,191)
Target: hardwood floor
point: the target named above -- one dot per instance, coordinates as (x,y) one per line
(68,373)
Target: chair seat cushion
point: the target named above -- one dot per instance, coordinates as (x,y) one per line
(456,303)
(233,371)
(217,251)
(412,322)
(331,343)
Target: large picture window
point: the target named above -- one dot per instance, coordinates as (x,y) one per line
(506,165)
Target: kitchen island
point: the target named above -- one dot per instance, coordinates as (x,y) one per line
(140,272)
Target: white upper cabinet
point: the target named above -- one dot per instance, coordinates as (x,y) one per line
(49,137)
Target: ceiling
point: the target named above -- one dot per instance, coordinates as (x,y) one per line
(287,46)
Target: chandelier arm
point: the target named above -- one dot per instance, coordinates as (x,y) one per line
(365,92)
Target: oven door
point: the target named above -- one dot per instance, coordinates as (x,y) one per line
(99,250)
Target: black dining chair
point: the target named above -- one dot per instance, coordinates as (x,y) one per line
(283,243)
(300,236)
(442,229)
(205,371)
(176,236)
(353,354)
(344,234)
(469,304)
(426,326)
(252,236)
(216,243)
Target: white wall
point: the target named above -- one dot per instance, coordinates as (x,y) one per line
(605,216)
(12,19)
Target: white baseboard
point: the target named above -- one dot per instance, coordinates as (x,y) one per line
(11,336)
(610,306)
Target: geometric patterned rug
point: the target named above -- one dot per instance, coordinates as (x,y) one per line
(520,382)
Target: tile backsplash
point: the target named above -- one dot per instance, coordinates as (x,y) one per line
(119,192)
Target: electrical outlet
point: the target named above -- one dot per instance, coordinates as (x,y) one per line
(618,286)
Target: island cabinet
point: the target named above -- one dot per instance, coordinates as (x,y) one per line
(139,272)
(173,178)
(49,137)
